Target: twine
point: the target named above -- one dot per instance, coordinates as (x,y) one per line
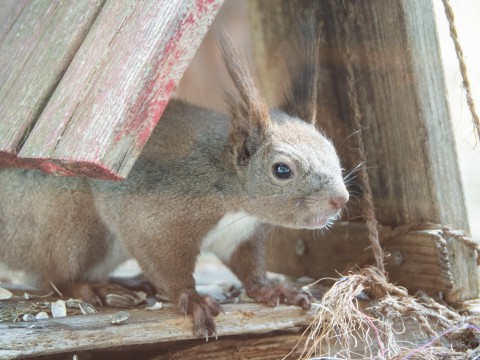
(367,208)
(463,67)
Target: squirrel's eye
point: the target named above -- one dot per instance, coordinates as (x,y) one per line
(282,171)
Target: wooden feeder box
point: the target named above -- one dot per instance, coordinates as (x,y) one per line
(84,83)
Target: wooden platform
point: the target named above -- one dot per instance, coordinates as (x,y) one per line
(245,331)
(96,332)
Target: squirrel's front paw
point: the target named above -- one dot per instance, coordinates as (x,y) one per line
(203,309)
(272,295)
(100,294)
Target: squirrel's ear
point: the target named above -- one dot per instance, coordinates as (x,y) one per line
(300,99)
(250,118)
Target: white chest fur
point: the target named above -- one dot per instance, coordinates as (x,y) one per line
(229,233)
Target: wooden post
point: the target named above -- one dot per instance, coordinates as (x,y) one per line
(411,156)
(393,50)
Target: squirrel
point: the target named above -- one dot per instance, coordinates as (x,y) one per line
(204,181)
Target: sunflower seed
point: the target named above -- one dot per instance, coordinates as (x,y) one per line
(120,301)
(59,309)
(41,315)
(28,318)
(156,306)
(5,294)
(120,317)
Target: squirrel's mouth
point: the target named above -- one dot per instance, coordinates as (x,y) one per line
(315,222)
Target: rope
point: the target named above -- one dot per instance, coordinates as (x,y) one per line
(367,208)
(463,67)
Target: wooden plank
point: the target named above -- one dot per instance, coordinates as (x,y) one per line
(36,51)
(421,256)
(299,252)
(246,331)
(9,11)
(463,254)
(409,265)
(121,81)
(260,347)
(393,48)
(61,335)
(274,347)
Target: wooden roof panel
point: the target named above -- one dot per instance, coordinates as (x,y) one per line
(36,51)
(108,102)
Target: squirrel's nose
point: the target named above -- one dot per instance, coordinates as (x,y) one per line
(338,201)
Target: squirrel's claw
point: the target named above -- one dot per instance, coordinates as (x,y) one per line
(203,309)
(273,295)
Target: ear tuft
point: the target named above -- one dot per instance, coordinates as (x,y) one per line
(301,94)
(250,117)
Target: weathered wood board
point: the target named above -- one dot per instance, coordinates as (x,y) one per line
(9,14)
(386,56)
(109,100)
(143,327)
(245,331)
(420,257)
(39,44)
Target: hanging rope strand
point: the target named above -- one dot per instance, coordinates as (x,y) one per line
(463,67)
(367,208)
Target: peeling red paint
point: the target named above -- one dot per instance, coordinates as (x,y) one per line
(51,168)
(203,5)
(189,20)
(79,169)
(146,111)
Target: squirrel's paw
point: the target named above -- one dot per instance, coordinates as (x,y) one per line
(136,283)
(100,294)
(272,295)
(203,309)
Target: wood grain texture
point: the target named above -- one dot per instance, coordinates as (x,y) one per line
(421,256)
(463,258)
(35,52)
(10,11)
(117,87)
(399,83)
(77,333)
(259,347)
(276,347)
(246,331)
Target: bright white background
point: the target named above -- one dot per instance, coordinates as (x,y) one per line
(467,18)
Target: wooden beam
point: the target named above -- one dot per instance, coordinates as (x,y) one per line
(113,93)
(421,256)
(399,83)
(38,44)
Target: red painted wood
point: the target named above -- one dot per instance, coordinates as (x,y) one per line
(117,86)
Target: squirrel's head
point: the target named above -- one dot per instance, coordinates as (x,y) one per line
(289,171)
